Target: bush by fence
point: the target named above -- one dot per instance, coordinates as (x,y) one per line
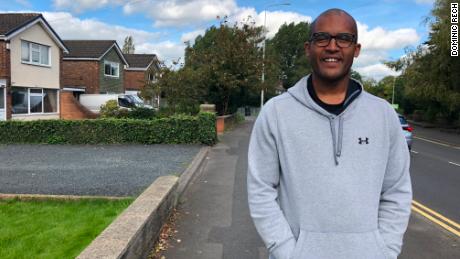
(177,129)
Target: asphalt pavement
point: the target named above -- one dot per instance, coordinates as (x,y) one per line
(214,222)
(435,171)
(102,170)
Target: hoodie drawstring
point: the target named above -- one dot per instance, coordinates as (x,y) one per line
(336,140)
(339,149)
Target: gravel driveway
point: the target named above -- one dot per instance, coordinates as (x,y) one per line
(107,170)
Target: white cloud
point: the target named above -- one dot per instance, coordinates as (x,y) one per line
(166,49)
(381,39)
(375,46)
(181,12)
(190,36)
(70,27)
(367,58)
(274,19)
(377,71)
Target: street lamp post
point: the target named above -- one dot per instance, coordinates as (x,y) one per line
(263,51)
(393,95)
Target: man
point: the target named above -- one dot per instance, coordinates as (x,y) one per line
(328,174)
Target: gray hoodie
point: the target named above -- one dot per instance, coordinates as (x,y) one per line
(323,186)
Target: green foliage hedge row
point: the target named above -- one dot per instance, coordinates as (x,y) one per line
(177,129)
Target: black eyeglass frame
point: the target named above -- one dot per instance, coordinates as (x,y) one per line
(340,42)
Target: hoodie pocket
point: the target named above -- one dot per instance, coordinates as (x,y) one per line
(299,245)
(337,245)
(381,243)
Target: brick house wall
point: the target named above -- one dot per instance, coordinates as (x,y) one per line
(81,73)
(4,61)
(71,109)
(5,73)
(134,80)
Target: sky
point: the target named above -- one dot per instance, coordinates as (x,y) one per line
(385,28)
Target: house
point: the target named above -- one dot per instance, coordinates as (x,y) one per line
(90,67)
(93,67)
(30,67)
(142,69)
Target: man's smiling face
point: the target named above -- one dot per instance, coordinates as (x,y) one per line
(332,63)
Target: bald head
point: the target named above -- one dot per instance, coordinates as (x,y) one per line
(338,12)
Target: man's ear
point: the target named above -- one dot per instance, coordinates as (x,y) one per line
(357,50)
(307,48)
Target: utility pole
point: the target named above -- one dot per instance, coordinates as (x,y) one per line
(263,51)
(393,96)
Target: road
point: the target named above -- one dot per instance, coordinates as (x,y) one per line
(434,230)
(435,171)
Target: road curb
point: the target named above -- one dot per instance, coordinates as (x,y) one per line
(134,232)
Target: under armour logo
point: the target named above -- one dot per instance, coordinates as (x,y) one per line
(362,141)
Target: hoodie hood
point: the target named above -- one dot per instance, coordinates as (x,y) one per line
(300,93)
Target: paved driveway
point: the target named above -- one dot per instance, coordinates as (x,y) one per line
(107,170)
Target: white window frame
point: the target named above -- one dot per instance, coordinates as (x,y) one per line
(35,95)
(43,103)
(3,89)
(112,65)
(152,78)
(30,61)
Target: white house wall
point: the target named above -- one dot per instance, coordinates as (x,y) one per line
(33,75)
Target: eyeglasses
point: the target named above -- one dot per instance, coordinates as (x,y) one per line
(343,40)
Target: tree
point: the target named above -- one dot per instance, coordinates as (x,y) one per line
(128,45)
(286,48)
(430,75)
(355,75)
(180,87)
(229,61)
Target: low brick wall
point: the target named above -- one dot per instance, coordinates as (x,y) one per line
(71,109)
(225,122)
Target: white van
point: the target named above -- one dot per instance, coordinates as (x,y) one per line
(93,102)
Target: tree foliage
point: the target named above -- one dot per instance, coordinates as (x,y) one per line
(182,89)
(286,49)
(430,75)
(228,60)
(128,45)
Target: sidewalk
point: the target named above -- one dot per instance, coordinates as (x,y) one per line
(214,219)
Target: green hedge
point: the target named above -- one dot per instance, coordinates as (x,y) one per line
(177,129)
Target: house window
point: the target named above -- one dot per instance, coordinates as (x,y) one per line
(34,100)
(36,54)
(111,69)
(20,101)
(152,78)
(50,100)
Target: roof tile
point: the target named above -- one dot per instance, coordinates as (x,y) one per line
(9,22)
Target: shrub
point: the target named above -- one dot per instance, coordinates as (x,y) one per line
(141,113)
(239,117)
(178,129)
(110,109)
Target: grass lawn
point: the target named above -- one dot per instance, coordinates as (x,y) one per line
(53,229)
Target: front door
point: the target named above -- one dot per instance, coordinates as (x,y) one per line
(2,103)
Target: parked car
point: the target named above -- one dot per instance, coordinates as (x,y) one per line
(407,129)
(94,101)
